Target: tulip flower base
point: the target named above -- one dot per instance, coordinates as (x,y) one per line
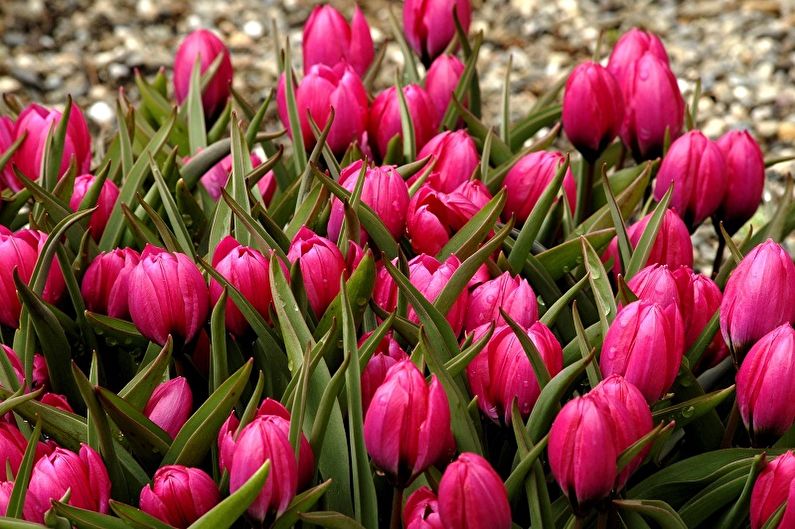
(372,307)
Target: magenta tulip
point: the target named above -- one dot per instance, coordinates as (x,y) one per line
(105,287)
(170,405)
(694,166)
(56,400)
(384,190)
(631,47)
(55,285)
(429,24)
(167,295)
(758,296)
(41,376)
(657,284)
(84,474)
(321,265)
(456,158)
(7,137)
(699,299)
(387,353)
(217,176)
(772,488)
(593,109)
(442,79)
(385,123)
(179,495)
(6,488)
(513,294)
(529,178)
(322,89)
(106,200)
(329,39)
(422,510)
(246,269)
(13,445)
(205,46)
(473,496)
(36,121)
(645,344)
(407,423)
(745,178)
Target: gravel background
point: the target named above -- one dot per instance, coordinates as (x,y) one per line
(743,51)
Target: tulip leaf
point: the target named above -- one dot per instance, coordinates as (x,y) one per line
(500,152)
(407,126)
(467,240)
(600,286)
(624,246)
(646,242)
(330,520)
(308,209)
(219,370)
(410,68)
(552,313)
(635,449)
(53,153)
(560,259)
(520,472)
(181,235)
(260,238)
(535,486)
(462,86)
(775,518)
(224,515)
(532,123)
(241,166)
(327,402)
(85,519)
(715,498)
(456,366)
(136,518)
(686,412)
(324,346)
(140,387)
(540,369)
(735,518)
(293,112)
(12,523)
(16,500)
(197,130)
(6,156)
(658,511)
(303,502)
(198,434)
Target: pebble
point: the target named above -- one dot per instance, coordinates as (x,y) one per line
(101,113)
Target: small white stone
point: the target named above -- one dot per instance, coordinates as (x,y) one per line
(253,28)
(101,113)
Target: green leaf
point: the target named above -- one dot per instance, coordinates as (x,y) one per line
(467,240)
(552,313)
(303,502)
(690,410)
(197,130)
(219,370)
(561,259)
(52,157)
(11,523)
(456,366)
(409,61)
(520,472)
(9,152)
(499,151)
(407,126)
(505,122)
(642,251)
(636,448)
(330,520)
(461,88)
(181,234)
(136,518)
(600,286)
(735,518)
(261,238)
(16,501)
(85,519)
(658,511)
(532,123)
(299,150)
(140,387)
(224,515)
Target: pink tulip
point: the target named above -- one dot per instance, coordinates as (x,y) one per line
(41,376)
(529,178)
(772,488)
(7,137)
(593,109)
(387,353)
(699,299)
(513,294)
(58,401)
(473,496)
(745,178)
(13,445)
(429,24)
(442,79)
(84,474)
(656,284)
(179,495)
(329,39)
(422,510)
(456,158)
(217,176)
(206,46)
(385,123)
(55,284)
(6,488)
(105,287)
(321,265)
(170,405)
(407,425)
(106,200)
(631,47)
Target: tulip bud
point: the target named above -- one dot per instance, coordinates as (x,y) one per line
(671,247)
(84,474)
(105,287)
(502,373)
(456,158)
(321,265)
(631,47)
(6,488)
(246,269)
(13,445)
(329,39)
(385,123)
(429,24)
(322,88)
(652,104)
(593,109)
(36,121)
(407,423)
(106,200)
(442,79)
(429,276)
(699,299)
(772,488)
(583,448)
(473,496)
(384,190)
(7,138)
(421,510)
(217,176)
(631,415)
(512,294)
(745,178)
(387,353)
(179,495)
(167,295)
(758,296)
(170,405)
(645,344)
(694,166)
(55,285)
(56,400)
(657,284)
(529,178)
(206,46)
(41,376)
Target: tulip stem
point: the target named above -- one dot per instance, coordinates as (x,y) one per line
(731,426)
(397,508)
(716,264)
(584,184)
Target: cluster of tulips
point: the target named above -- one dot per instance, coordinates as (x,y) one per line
(384,312)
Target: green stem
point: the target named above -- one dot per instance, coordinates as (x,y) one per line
(731,426)
(397,508)
(584,184)
(716,264)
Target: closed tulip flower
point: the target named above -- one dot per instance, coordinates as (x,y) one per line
(657,284)
(422,510)
(694,166)
(322,89)
(13,445)
(55,284)
(583,447)
(758,296)
(41,376)
(206,46)
(513,294)
(387,353)
(502,373)
(321,265)
(170,405)
(329,39)
(84,474)
(407,423)
(473,496)
(167,295)
(179,495)
(593,109)
(772,488)
(645,344)
(529,178)
(217,176)
(432,219)
(385,123)
(631,47)
(7,137)
(106,200)
(6,488)
(384,190)
(442,79)
(766,384)
(247,270)
(456,158)
(699,299)
(35,121)
(429,24)
(105,287)
(56,400)
(745,178)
